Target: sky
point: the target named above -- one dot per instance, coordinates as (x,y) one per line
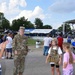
(51,12)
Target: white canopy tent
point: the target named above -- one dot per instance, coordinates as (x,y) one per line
(41,31)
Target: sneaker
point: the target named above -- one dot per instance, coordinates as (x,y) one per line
(10,58)
(3,57)
(6,57)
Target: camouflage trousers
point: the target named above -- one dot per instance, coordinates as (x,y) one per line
(19,63)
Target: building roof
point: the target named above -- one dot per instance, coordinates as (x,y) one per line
(70,21)
(45,31)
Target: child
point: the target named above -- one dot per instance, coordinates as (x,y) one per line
(55,54)
(68,60)
(2,47)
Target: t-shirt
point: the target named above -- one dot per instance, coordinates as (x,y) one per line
(60,41)
(59,52)
(9,44)
(66,59)
(47,41)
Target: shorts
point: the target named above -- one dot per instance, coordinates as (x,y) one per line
(53,65)
(9,50)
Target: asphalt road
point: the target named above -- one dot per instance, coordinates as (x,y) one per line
(34,65)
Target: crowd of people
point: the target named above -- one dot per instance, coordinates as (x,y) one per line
(59,52)
(16,46)
(55,50)
(8,48)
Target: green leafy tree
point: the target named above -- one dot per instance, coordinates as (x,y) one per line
(39,24)
(67,28)
(1,15)
(47,27)
(21,22)
(28,25)
(4,23)
(15,25)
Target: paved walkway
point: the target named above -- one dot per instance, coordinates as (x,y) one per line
(35,65)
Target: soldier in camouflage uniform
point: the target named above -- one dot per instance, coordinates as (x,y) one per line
(20,50)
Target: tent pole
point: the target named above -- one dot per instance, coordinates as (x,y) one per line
(73,26)
(63,28)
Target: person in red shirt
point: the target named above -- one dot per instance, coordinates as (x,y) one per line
(60,41)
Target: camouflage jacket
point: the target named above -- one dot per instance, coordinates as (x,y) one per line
(20,43)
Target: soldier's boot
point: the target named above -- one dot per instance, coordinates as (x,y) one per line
(20,73)
(15,73)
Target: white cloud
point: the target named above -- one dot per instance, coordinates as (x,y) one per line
(15,3)
(12,6)
(63,6)
(37,10)
(3,7)
(36,13)
(22,3)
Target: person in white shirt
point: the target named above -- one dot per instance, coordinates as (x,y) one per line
(47,42)
(54,57)
(9,46)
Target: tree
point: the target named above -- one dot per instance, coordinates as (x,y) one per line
(39,24)
(28,25)
(21,22)
(1,15)
(47,27)
(14,25)
(4,23)
(1,18)
(67,28)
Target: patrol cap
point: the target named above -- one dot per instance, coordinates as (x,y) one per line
(21,27)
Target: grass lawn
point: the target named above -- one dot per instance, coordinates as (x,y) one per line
(31,41)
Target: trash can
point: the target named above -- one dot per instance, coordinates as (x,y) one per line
(37,44)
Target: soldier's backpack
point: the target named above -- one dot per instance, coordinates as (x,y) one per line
(54,56)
